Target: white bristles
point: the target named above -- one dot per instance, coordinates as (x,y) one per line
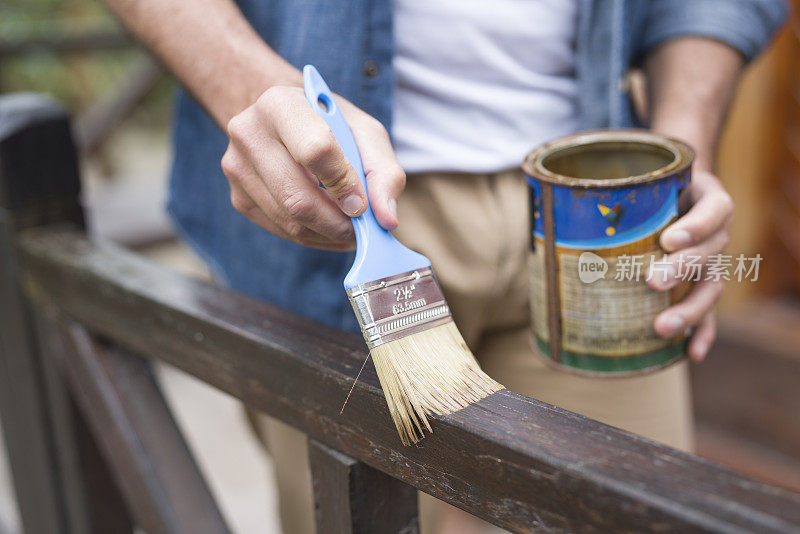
(430,372)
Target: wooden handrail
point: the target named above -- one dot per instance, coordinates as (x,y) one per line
(509,459)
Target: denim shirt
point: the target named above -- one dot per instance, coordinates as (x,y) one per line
(351,43)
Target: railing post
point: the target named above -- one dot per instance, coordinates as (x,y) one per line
(352,497)
(54,460)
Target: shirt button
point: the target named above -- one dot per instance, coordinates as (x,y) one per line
(371,69)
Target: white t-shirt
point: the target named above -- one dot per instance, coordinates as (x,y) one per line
(479,84)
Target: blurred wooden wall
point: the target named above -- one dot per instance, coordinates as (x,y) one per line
(759,162)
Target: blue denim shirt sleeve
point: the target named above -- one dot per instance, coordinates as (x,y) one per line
(746,25)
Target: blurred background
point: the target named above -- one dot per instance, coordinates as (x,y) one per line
(747,395)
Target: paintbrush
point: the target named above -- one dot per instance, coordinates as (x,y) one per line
(423,363)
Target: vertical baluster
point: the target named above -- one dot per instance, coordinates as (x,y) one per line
(350,496)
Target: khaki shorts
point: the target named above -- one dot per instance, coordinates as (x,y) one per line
(474,229)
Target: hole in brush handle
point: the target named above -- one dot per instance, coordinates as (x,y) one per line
(325,104)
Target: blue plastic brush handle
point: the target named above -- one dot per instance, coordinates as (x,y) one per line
(378,254)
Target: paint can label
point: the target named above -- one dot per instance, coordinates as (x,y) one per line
(606,319)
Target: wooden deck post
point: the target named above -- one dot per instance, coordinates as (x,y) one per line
(352,497)
(47,441)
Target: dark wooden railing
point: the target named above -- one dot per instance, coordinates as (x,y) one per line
(94,448)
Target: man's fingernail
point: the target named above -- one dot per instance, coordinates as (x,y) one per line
(669,278)
(677,239)
(393,207)
(701,349)
(663,276)
(352,205)
(673,324)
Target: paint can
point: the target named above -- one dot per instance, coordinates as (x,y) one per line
(599,201)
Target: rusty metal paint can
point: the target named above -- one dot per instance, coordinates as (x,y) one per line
(598,199)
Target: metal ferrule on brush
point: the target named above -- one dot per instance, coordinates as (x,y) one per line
(398,306)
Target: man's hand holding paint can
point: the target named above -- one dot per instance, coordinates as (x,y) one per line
(599,202)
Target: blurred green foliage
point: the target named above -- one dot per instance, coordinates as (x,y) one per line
(19,18)
(75,78)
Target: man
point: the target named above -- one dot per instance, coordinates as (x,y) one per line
(466,88)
